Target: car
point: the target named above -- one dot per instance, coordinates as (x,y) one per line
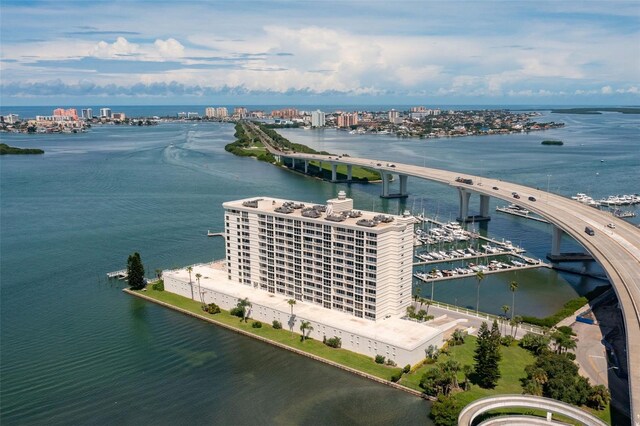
(589,231)
(495,188)
(378,164)
(532,198)
(611,225)
(515,195)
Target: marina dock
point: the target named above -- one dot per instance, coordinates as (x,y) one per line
(520,213)
(121,274)
(215,234)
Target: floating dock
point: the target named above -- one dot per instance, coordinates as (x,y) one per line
(525,214)
(121,275)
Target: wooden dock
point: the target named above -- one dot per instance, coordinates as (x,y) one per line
(121,274)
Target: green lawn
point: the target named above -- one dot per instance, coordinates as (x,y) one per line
(341,356)
(514,360)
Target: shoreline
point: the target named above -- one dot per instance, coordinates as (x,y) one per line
(397,386)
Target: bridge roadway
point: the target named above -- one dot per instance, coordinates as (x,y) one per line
(617,250)
(482,405)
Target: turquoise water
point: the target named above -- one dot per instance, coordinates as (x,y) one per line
(77,350)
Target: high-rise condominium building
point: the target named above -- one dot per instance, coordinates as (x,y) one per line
(105,112)
(331,255)
(210,112)
(317,118)
(347,119)
(87,113)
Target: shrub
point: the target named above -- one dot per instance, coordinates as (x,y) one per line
(507,340)
(158,285)
(565,329)
(211,308)
(445,411)
(256,324)
(379,359)
(396,377)
(334,342)
(276,324)
(535,343)
(237,312)
(406,368)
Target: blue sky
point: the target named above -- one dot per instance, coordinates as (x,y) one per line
(320,52)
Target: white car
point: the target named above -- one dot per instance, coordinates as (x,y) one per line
(611,225)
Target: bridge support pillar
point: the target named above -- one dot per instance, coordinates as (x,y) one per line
(349,172)
(463,212)
(306,166)
(385,184)
(334,172)
(403,185)
(556,239)
(293,163)
(549,416)
(484,205)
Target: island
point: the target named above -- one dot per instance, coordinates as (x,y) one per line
(551,142)
(6,149)
(249,144)
(596,110)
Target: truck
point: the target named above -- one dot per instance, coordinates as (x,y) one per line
(463,180)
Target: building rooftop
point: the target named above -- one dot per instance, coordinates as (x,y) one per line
(337,210)
(395,331)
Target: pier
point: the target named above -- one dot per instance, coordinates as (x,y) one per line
(121,274)
(520,213)
(215,234)
(485,272)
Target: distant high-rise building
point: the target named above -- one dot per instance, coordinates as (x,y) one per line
(105,112)
(11,118)
(347,119)
(418,109)
(287,113)
(121,116)
(193,115)
(182,115)
(317,118)
(210,112)
(87,113)
(240,112)
(394,117)
(221,112)
(70,113)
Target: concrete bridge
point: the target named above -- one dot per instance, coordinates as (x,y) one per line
(616,250)
(483,405)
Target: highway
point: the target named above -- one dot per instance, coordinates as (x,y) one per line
(616,250)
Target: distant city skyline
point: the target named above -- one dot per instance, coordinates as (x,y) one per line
(316,53)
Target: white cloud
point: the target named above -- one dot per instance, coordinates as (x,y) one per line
(120,47)
(606,90)
(169,48)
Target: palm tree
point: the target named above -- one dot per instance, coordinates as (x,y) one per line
(479,277)
(513,287)
(305,327)
(505,309)
(433,273)
(189,270)
(198,276)
(245,305)
(428,303)
(515,322)
(159,273)
(291,302)
(417,295)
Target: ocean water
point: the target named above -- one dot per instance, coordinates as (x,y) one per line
(75,349)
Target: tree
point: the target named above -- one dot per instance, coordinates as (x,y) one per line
(515,322)
(487,355)
(535,343)
(135,272)
(467,370)
(505,309)
(428,303)
(479,277)
(416,296)
(189,270)
(159,273)
(306,329)
(513,287)
(558,378)
(291,302)
(198,276)
(563,342)
(599,397)
(445,411)
(244,304)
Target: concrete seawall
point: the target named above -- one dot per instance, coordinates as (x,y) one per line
(282,346)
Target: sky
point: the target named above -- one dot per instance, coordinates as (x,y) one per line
(320,52)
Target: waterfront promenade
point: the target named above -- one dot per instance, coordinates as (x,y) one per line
(616,250)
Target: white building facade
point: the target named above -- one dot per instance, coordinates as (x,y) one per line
(333,256)
(318,119)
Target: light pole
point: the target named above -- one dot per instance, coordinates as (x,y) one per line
(548,184)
